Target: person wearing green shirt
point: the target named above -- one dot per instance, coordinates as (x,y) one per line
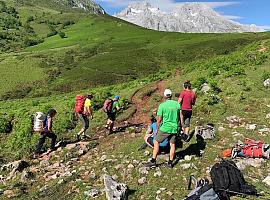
(112,114)
(168,120)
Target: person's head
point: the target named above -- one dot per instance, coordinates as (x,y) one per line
(90,96)
(187,85)
(52,112)
(168,94)
(116,98)
(153,119)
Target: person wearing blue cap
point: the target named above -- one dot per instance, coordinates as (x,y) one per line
(112,114)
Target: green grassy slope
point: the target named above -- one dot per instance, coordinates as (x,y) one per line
(101,50)
(237,89)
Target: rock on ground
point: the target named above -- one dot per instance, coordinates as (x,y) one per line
(142,181)
(114,190)
(266,83)
(267,180)
(92,193)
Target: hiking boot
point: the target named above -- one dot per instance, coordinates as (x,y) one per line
(150,165)
(185,137)
(169,165)
(78,137)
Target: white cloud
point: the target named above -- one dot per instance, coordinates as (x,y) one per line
(266,27)
(232,17)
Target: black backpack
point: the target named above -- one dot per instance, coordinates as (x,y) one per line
(229,181)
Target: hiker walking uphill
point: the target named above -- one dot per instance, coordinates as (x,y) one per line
(111,107)
(46,132)
(168,118)
(187,100)
(83,112)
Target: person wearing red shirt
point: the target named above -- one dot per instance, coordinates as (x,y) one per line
(187,100)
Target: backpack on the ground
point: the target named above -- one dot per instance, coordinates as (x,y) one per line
(39,121)
(206,131)
(203,190)
(79,104)
(107,106)
(229,181)
(253,149)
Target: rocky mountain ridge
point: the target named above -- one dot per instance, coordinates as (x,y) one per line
(188,18)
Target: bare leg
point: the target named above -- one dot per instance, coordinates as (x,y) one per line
(186,130)
(156,149)
(172,151)
(111,126)
(82,131)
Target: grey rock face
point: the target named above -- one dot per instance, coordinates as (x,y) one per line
(86,5)
(114,190)
(189,18)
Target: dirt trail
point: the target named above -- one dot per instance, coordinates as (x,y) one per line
(141,99)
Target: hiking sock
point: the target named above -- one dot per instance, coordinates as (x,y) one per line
(153,160)
(170,162)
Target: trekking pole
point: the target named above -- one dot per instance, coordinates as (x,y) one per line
(246,195)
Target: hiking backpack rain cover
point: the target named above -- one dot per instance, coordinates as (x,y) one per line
(38,121)
(79,105)
(229,181)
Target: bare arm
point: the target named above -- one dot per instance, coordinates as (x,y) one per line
(180,100)
(159,120)
(50,124)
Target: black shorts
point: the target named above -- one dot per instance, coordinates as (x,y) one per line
(187,116)
(111,116)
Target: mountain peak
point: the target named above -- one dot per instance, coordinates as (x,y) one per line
(189,17)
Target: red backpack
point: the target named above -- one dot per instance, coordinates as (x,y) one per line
(79,105)
(253,149)
(107,106)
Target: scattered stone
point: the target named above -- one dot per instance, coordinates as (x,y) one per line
(251,127)
(114,190)
(143,170)
(119,166)
(26,175)
(133,135)
(162,189)
(205,88)
(146,153)
(266,83)
(1,191)
(187,158)
(264,130)
(268,116)
(81,152)
(221,129)
(186,166)
(130,166)
(142,181)
(71,146)
(267,180)
(158,192)
(44,163)
(92,193)
(115,177)
(169,193)
(92,175)
(254,162)
(68,173)
(9,193)
(61,181)
(18,165)
(157,174)
(103,158)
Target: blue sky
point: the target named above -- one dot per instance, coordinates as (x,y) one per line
(243,11)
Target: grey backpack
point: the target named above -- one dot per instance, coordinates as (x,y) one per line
(206,131)
(202,191)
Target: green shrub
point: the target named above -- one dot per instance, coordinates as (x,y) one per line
(62,34)
(5,125)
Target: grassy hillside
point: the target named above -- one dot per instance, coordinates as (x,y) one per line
(236,82)
(81,51)
(106,56)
